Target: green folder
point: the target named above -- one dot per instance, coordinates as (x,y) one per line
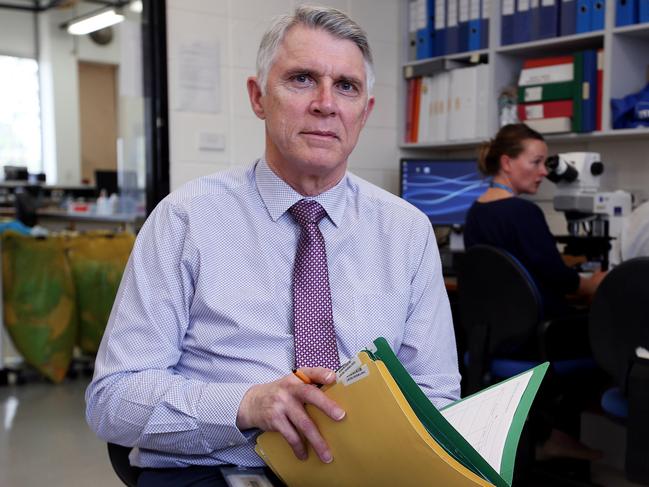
(445,434)
(471,442)
(564,90)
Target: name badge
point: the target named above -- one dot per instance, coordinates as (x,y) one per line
(245,477)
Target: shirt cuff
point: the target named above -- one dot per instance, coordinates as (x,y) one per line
(217,415)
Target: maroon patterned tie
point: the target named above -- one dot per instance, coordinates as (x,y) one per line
(313,327)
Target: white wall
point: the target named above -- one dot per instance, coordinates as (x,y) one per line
(237,26)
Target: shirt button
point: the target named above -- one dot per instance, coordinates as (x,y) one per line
(231,443)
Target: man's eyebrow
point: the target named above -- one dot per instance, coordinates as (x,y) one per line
(298,70)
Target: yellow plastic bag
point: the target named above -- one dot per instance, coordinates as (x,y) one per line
(97,260)
(39,302)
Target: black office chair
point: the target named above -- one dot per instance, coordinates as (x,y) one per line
(499,309)
(119,460)
(618,325)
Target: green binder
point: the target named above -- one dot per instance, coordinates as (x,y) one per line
(577,95)
(547,92)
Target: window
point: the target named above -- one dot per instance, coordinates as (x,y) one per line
(20,115)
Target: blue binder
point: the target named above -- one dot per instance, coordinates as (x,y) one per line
(549,13)
(522,21)
(463,25)
(475,25)
(535,19)
(583,16)
(426,37)
(597,12)
(452,27)
(568,17)
(485,12)
(626,12)
(643,11)
(589,102)
(440,27)
(508,9)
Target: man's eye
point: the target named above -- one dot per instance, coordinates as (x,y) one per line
(301,78)
(347,86)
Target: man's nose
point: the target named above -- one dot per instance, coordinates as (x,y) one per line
(324,103)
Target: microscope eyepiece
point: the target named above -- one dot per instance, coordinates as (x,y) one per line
(597,168)
(560,170)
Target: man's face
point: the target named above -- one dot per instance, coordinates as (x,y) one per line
(316,104)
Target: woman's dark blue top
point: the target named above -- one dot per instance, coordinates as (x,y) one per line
(519,227)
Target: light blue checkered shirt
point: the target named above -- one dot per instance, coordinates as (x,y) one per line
(204,310)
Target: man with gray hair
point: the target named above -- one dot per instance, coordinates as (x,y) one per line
(238,278)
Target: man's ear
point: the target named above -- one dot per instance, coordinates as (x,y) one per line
(255,95)
(368,109)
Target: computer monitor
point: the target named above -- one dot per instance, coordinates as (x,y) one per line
(106,179)
(443,189)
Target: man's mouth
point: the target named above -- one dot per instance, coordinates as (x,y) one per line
(321,133)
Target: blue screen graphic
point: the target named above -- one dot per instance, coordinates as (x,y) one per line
(443,189)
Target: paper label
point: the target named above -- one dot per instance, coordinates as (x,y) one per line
(534,111)
(452,14)
(356,375)
(533,94)
(440,14)
(523,5)
(585,91)
(534,3)
(547,3)
(508,7)
(464,11)
(486,9)
(348,367)
(474,9)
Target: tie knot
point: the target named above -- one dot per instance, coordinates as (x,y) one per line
(307,211)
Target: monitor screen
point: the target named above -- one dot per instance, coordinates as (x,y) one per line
(443,189)
(105,179)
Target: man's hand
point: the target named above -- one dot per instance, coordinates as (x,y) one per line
(279,406)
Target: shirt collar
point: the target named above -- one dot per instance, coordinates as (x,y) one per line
(278,196)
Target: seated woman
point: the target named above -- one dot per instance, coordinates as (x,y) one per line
(515,161)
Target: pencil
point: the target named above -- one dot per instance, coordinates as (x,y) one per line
(302,376)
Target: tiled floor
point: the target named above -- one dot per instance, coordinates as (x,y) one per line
(44,440)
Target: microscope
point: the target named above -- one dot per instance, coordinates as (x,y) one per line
(594,218)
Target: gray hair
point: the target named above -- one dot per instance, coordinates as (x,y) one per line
(331,20)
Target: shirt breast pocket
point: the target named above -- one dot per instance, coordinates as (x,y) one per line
(380,314)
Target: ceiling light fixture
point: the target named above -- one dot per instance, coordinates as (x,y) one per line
(93,21)
(136,6)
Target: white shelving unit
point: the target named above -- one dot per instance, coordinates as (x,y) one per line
(626,66)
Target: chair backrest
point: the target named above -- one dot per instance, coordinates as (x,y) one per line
(619,318)
(119,460)
(499,304)
(495,290)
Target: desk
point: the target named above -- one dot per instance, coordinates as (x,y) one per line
(58,219)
